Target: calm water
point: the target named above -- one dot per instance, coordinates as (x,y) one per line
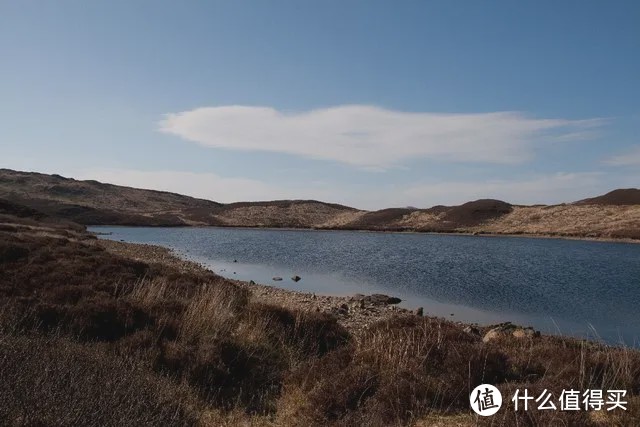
(587,289)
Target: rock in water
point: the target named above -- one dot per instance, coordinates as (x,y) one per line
(296,278)
(277,279)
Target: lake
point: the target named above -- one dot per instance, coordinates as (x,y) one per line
(579,288)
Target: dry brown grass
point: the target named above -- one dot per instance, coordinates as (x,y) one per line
(569,220)
(301,214)
(92,338)
(408,370)
(53,381)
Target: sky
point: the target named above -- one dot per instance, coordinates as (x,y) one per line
(370,103)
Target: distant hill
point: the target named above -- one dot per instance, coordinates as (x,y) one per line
(613,215)
(620,197)
(95,203)
(92,202)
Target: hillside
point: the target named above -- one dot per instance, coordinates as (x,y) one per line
(580,219)
(104,333)
(96,203)
(620,197)
(92,202)
(613,215)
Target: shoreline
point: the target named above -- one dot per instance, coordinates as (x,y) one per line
(351,311)
(416,232)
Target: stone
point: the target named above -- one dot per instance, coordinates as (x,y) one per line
(472,330)
(277,279)
(419,311)
(509,330)
(525,333)
(493,334)
(296,278)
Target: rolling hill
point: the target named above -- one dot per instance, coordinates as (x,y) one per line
(614,215)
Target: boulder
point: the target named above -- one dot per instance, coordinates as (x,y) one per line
(493,334)
(472,330)
(502,330)
(510,330)
(525,333)
(296,278)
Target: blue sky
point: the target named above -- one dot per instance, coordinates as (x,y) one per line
(367,103)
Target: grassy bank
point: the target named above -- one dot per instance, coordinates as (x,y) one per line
(95,336)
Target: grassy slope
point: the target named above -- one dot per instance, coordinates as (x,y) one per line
(614,215)
(95,203)
(91,338)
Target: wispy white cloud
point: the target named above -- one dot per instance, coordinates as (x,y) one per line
(630,158)
(552,188)
(372,137)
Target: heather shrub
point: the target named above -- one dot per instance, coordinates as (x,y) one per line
(50,381)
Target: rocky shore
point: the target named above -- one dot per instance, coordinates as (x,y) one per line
(354,312)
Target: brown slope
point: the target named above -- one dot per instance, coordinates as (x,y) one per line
(20,211)
(474,213)
(437,218)
(96,203)
(93,202)
(570,220)
(385,219)
(281,213)
(613,215)
(619,197)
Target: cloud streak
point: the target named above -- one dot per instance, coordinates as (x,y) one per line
(372,137)
(630,158)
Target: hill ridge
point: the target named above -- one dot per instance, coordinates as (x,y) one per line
(613,215)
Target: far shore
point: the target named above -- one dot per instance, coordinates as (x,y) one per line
(443,233)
